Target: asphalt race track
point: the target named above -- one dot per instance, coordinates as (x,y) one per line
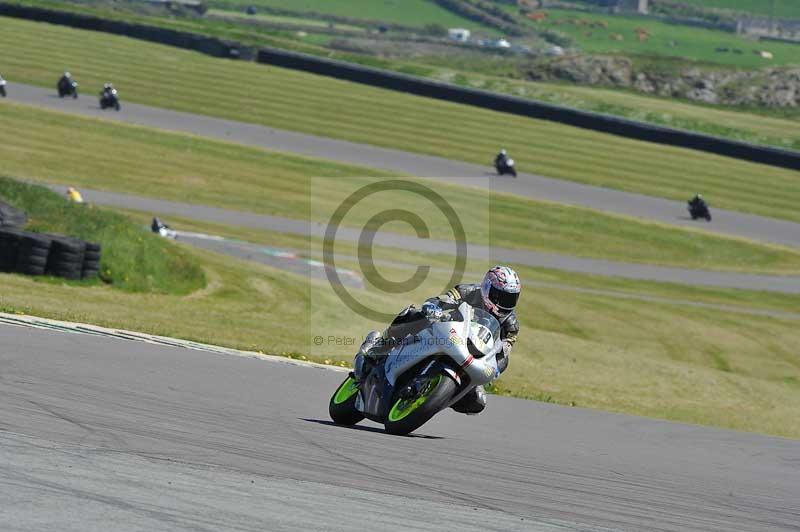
(106,434)
(665,211)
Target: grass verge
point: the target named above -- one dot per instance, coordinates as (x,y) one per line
(132,259)
(397,268)
(153,74)
(195,170)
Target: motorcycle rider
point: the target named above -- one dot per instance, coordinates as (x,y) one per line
(65,82)
(697,203)
(501,159)
(2,86)
(497,293)
(156,225)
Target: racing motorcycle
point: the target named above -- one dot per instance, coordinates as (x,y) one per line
(506,167)
(69,88)
(424,374)
(699,210)
(2,87)
(109,99)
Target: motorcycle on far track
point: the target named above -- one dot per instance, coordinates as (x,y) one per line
(109,99)
(699,210)
(2,87)
(67,88)
(424,374)
(506,167)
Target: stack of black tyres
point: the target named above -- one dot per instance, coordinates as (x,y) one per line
(32,253)
(91,261)
(9,248)
(11,217)
(66,257)
(40,254)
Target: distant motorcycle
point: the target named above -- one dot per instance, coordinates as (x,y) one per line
(2,87)
(506,167)
(162,229)
(109,99)
(67,88)
(699,210)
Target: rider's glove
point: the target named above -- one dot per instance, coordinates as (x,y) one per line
(431,311)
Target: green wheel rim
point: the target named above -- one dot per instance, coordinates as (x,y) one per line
(403,407)
(347,390)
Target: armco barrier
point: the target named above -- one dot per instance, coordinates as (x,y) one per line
(179,39)
(419,86)
(525,107)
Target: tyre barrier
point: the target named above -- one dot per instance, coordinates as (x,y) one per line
(45,254)
(66,257)
(32,253)
(9,244)
(91,261)
(11,217)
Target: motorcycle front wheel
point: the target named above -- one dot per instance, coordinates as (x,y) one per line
(409,414)
(342,407)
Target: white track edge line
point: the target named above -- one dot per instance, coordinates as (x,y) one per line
(24,320)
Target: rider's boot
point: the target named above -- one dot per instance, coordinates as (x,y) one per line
(473,403)
(366,356)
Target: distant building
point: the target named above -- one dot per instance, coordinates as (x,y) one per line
(621,6)
(196,5)
(766,27)
(459,34)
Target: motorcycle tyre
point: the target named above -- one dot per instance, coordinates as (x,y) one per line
(344,412)
(437,400)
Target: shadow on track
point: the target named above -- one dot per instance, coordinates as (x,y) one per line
(369,429)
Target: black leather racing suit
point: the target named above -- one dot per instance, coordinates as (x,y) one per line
(412,320)
(64,83)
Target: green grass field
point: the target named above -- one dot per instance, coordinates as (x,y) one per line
(612,286)
(191,169)
(295,21)
(153,74)
(416,13)
(133,260)
(669,40)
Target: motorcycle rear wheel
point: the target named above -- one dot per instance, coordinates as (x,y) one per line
(342,407)
(407,415)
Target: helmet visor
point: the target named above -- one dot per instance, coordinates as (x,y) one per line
(504,300)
